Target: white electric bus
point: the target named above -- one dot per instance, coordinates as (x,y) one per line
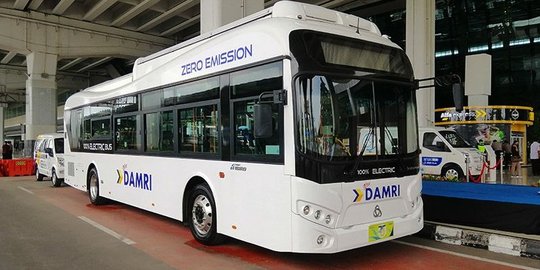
(260,131)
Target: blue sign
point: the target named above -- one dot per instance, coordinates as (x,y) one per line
(431,161)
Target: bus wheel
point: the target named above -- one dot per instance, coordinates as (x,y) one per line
(54,179)
(203,216)
(93,188)
(452,172)
(39,176)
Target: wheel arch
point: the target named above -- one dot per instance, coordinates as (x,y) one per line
(191,184)
(91,166)
(452,164)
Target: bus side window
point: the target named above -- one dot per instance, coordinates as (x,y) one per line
(244,140)
(198,129)
(127,133)
(159,126)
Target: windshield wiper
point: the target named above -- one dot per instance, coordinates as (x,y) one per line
(360,156)
(399,156)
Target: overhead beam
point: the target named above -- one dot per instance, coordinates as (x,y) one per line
(334,3)
(35,4)
(167,15)
(112,71)
(181,26)
(130,14)
(62,7)
(23,32)
(98,9)
(8,57)
(95,64)
(270,3)
(71,63)
(20,4)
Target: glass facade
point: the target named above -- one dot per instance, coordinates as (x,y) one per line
(508,30)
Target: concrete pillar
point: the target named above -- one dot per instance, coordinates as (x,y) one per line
(478,79)
(40,97)
(420,47)
(216,13)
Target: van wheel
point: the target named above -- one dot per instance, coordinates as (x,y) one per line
(93,188)
(452,172)
(203,217)
(54,179)
(39,176)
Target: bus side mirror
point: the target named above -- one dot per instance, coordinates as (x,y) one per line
(457,93)
(262,114)
(49,152)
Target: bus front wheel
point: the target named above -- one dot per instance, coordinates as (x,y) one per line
(93,188)
(202,221)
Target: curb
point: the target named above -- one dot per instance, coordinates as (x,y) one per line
(498,243)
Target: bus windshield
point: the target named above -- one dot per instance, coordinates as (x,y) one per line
(350,118)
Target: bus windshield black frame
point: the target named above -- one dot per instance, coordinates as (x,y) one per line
(352,122)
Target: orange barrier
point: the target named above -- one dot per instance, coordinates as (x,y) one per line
(17,167)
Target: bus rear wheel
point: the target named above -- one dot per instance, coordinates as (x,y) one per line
(203,217)
(93,188)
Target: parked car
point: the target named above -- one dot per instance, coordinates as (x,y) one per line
(444,152)
(49,157)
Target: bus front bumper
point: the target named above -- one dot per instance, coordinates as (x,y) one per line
(309,237)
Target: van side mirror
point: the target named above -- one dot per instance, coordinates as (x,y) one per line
(441,146)
(49,152)
(262,116)
(457,93)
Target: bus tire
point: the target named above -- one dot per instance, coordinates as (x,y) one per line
(54,179)
(451,171)
(203,216)
(39,176)
(93,188)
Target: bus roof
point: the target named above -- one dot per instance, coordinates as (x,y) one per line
(258,37)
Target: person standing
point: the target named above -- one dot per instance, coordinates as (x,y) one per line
(535,162)
(515,169)
(507,150)
(6,150)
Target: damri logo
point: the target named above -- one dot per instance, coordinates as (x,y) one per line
(376,193)
(134,179)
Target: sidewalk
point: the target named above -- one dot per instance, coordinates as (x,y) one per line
(517,244)
(526,177)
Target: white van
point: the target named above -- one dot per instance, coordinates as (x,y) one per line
(443,153)
(49,157)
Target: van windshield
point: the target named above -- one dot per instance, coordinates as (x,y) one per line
(454,139)
(59,145)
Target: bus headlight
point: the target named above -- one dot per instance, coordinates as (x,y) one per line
(320,240)
(328,219)
(317,214)
(306,210)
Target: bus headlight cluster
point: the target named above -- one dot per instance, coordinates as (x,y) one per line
(317,214)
